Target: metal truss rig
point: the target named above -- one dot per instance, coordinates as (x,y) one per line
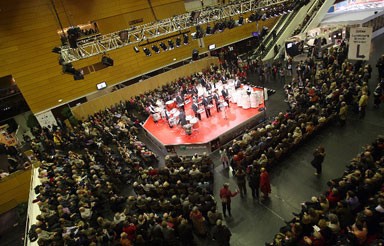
(100,44)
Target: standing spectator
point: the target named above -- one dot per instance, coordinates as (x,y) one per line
(378,94)
(380,66)
(318,158)
(265,184)
(225,196)
(282,75)
(343,113)
(221,234)
(184,230)
(241,183)
(198,221)
(224,157)
(363,101)
(254,180)
(289,68)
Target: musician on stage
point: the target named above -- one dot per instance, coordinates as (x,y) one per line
(207,106)
(208,86)
(237,83)
(225,94)
(195,108)
(195,93)
(153,112)
(182,118)
(180,101)
(216,98)
(167,117)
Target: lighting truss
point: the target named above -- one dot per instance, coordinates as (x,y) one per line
(100,44)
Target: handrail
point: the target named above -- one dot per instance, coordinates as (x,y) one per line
(31,217)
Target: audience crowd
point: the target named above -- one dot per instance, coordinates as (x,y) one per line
(83,170)
(350,212)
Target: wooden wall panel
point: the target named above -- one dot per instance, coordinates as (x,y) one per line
(84,11)
(169,10)
(84,110)
(25,48)
(14,190)
(111,24)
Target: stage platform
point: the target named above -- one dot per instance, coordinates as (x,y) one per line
(210,134)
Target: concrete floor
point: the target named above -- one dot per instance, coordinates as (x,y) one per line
(293,181)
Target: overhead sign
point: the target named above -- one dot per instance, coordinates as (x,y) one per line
(360,43)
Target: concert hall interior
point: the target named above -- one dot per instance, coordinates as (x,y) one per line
(191,122)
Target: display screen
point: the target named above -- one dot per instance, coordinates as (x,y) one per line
(101,86)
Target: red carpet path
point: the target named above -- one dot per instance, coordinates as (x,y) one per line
(209,128)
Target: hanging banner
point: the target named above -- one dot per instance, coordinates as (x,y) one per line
(46,119)
(360,43)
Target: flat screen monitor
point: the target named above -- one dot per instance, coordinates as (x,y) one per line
(101,85)
(212,47)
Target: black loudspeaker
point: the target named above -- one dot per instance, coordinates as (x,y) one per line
(195,54)
(107,61)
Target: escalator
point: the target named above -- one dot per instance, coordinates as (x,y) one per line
(285,29)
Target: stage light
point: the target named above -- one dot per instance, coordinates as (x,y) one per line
(195,54)
(147,52)
(163,46)
(231,24)
(107,61)
(208,30)
(241,20)
(136,49)
(178,42)
(185,37)
(170,44)
(155,49)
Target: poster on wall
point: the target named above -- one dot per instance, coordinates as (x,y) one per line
(360,43)
(46,119)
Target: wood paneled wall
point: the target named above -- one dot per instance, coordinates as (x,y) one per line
(14,190)
(82,111)
(28,34)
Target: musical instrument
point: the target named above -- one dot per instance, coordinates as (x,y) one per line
(176,113)
(156,117)
(245,99)
(254,100)
(171,104)
(194,122)
(172,121)
(188,129)
(188,118)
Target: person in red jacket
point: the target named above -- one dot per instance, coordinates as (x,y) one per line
(265,184)
(225,196)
